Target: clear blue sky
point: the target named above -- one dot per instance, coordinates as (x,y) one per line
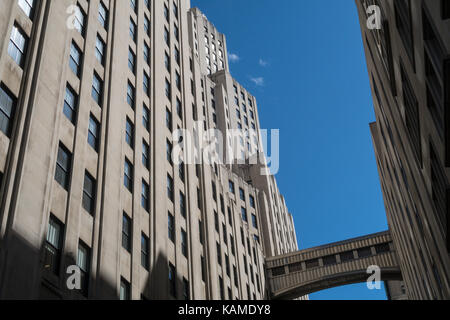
(304,62)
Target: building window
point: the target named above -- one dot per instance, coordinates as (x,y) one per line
(172,281)
(169,151)
(314,263)
(7,110)
(93,133)
(382,248)
(70,104)
(128,175)
(254,221)
(146,53)
(203,265)
(364,252)
(146,118)
(181,171)
(185,289)
(178,80)
(100,50)
(133,30)
(27,7)
(53,245)
(177,56)
(124,290)
(145,196)
(214,191)
(89,193)
(439,187)
(18,45)
(145,155)
(179,109)
(231,186)
(233,250)
(224,234)
(167,61)
(347,256)
(97,88)
(166,13)
(244,214)
(167,37)
(130,94)
(170,191)
(146,84)
(184,243)
(168,90)
(403,21)
(75,59)
(146,25)
(168,119)
(129,133)
(145,251)
(83,262)
(133,5)
(242,194)
(131,61)
(222,205)
(63,167)
(219,254)
(126,232)
(216,221)
(78,22)
(182,204)
(252,202)
(230,217)
(221,289)
(171,227)
(103,15)
(200,231)
(327,261)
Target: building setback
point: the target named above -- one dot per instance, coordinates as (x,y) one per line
(89,99)
(409,69)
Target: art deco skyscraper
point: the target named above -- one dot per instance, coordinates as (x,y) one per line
(90,94)
(409,68)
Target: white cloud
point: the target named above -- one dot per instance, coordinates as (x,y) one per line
(263,63)
(259,81)
(233,57)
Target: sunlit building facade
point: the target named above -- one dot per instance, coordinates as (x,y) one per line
(90,95)
(407,53)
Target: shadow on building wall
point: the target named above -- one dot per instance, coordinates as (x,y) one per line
(24,275)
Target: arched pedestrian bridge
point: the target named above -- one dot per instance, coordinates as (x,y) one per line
(303,272)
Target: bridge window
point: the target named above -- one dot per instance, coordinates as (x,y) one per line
(364,252)
(347,256)
(278,271)
(381,248)
(329,260)
(295,267)
(314,263)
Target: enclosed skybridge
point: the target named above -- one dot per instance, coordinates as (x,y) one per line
(346,262)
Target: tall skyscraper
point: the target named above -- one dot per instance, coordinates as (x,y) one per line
(407,45)
(90,95)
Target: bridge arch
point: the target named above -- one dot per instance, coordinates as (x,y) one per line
(342,263)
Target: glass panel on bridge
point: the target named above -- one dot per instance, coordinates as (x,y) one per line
(329,260)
